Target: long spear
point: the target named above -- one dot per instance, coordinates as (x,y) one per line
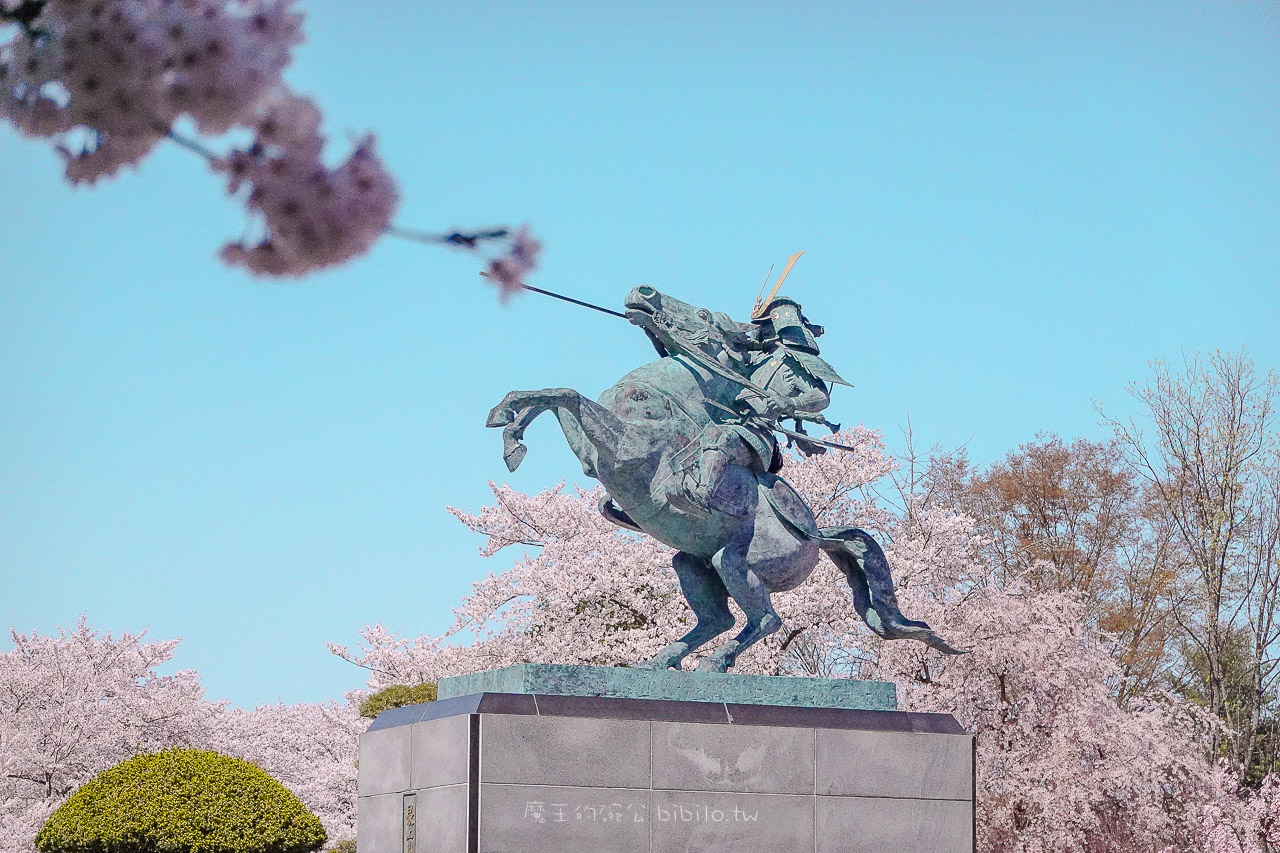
(555,295)
(714,366)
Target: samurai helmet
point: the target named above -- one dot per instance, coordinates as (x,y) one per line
(782,321)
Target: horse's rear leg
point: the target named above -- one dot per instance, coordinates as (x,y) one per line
(709,600)
(752,596)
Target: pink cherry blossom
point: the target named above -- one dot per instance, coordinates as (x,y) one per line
(314,216)
(311,748)
(1061,765)
(78,702)
(508,271)
(123,71)
(1236,819)
(106,80)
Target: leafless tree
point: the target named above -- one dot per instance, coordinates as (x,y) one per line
(1208,456)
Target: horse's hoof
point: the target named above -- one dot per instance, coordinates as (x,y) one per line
(656,666)
(514,457)
(667,658)
(500,416)
(909,631)
(713,665)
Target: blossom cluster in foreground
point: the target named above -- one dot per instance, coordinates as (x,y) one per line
(315,216)
(508,271)
(106,80)
(124,72)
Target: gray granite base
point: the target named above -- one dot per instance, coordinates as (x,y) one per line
(523,773)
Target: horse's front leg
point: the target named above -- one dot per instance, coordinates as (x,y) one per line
(588,427)
(513,448)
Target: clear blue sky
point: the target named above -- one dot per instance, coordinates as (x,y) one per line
(1007,209)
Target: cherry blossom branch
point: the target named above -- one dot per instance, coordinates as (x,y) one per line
(191,145)
(456,238)
(505,269)
(641,618)
(92,71)
(791,637)
(522,520)
(471,241)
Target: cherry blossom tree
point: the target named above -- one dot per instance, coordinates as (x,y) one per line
(391,659)
(1237,819)
(77,702)
(1061,765)
(310,748)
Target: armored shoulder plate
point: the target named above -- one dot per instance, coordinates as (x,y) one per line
(817,366)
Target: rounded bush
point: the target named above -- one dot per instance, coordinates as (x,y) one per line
(397,696)
(182,801)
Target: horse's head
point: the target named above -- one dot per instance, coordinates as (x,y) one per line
(674,326)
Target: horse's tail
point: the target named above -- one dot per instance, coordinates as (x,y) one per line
(862,561)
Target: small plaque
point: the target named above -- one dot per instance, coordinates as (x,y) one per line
(410,823)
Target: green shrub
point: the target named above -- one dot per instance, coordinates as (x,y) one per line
(182,801)
(348,846)
(397,696)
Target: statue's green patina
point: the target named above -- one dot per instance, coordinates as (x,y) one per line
(686,449)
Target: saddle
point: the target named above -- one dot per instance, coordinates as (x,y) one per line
(784,499)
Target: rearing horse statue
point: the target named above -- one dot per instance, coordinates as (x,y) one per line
(680,446)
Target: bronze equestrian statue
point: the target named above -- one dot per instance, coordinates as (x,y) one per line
(685,447)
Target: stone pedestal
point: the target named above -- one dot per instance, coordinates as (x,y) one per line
(536,772)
